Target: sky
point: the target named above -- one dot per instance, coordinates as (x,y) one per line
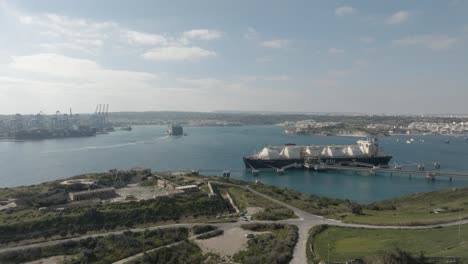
(370,56)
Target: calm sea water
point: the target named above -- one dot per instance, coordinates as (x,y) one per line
(217,148)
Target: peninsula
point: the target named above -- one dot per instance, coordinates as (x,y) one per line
(140,216)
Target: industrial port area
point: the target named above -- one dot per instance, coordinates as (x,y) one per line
(58,125)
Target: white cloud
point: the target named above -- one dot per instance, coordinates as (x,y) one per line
(398,18)
(276,78)
(335,51)
(367,39)
(70,33)
(26,20)
(361,63)
(68,68)
(237,82)
(251,78)
(275,43)
(50,81)
(345,10)
(60,46)
(142,38)
(435,42)
(203,34)
(264,59)
(178,53)
(88,36)
(250,33)
(201,82)
(70,27)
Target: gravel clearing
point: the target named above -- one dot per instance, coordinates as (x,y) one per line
(232,241)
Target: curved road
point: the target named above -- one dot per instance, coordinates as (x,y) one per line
(304,223)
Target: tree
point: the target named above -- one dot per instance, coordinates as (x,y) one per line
(356,209)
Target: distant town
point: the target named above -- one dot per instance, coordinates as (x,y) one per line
(436,127)
(101,121)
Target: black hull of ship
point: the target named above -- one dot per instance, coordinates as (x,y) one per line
(345,161)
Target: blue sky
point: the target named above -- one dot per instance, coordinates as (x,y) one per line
(300,56)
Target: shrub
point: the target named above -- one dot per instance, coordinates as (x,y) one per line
(202,229)
(211,234)
(356,209)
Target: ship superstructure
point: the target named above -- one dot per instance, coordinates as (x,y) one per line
(175,130)
(363,152)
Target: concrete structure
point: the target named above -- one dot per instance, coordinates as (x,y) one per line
(86,182)
(10,203)
(165,184)
(92,194)
(188,188)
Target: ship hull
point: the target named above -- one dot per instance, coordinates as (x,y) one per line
(345,161)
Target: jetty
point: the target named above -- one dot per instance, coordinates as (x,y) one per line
(356,167)
(429,174)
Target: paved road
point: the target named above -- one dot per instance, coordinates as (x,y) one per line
(307,220)
(304,223)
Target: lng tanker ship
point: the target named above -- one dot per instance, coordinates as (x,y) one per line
(364,152)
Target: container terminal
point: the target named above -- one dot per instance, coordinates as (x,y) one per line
(58,125)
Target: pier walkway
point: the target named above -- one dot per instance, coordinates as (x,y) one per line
(428,173)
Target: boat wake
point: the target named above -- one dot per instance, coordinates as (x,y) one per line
(91,148)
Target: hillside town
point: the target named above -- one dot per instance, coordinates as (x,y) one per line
(351,128)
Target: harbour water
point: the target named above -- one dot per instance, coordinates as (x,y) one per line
(213,149)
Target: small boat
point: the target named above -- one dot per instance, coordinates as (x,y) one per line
(447,141)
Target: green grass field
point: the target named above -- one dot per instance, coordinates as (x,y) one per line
(313,204)
(416,209)
(351,243)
